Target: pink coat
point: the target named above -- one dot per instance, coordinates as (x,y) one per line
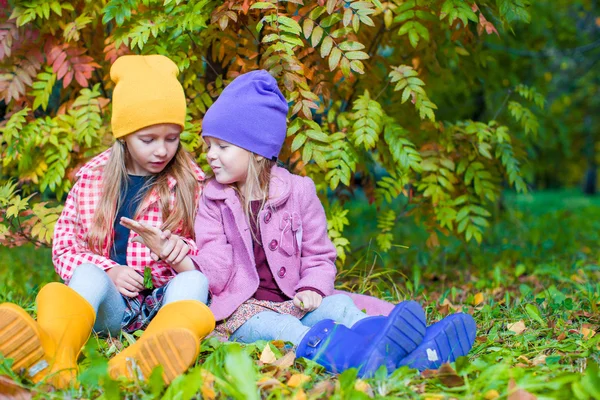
(293,230)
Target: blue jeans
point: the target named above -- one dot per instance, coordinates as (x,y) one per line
(94,285)
(269,325)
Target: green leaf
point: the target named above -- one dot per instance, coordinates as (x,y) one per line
(262,5)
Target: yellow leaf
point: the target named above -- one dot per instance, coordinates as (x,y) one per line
(267,356)
(362,386)
(300,395)
(517,327)
(478,299)
(298,379)
(491,395)
(587,333)
(208,381)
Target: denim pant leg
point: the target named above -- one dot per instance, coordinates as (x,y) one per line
(188,285)
(93,284)
(337,307)
(269,325)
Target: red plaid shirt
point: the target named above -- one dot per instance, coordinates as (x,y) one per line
(69,247)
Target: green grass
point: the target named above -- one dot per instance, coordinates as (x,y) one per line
(538,265)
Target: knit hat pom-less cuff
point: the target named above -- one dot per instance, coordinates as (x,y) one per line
(250,113)
(146,93)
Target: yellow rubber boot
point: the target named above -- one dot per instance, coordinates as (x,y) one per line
(171,340)
(22,339)
(67,320)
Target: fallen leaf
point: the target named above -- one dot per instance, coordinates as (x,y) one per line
(286,361)
(562,336)
(280,344)
(524,359)
(208,385)
(516,393)
(478,299)
(323,389)
(449,377)
(517,327)
(300,395)
(364,387)
(267,356)
(587,333)
(298,379)
(429,373)
(452,306)
(491,395)
(539,360)
(444,309)
(267,383)
(10,390)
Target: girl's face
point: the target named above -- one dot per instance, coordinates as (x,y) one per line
(228,162)
(152,148)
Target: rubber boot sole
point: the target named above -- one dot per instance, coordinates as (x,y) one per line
(444,342)
(174,349)
(401,332)
(20,340)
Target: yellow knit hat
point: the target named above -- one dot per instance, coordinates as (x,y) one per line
(146,93)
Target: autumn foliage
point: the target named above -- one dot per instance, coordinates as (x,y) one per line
(356,74)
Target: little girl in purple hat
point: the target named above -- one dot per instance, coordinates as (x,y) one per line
(262,238)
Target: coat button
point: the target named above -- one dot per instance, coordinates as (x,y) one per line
(267,217)
(273,245)
(282,272)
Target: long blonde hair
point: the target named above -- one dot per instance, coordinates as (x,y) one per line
(257,182)
(114,176)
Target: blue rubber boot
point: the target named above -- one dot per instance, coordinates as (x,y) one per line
(444,342)
(337,347)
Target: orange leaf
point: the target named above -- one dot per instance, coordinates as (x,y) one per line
(515,393)
(298,380)
(587,333)
(10,390)
(449,377)
(478,299)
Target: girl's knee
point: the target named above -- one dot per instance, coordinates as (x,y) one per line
(338,301)
(89,272)
(192,279)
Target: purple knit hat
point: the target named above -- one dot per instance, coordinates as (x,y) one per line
(250,113)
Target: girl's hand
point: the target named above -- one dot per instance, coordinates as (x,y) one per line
(175,250)
(150,236)
(164,246)
(308,300)
(127,280)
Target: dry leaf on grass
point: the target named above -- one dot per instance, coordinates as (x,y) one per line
(491,394)
(286,361)
(267,356)
(268,383)
(539,360)
(298,379)
(208,385)
(449,377)
(364,387)
(323,389)
(587,333)
(300,395)
(516,393)
(478,299)
(10,390)
(517,327)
